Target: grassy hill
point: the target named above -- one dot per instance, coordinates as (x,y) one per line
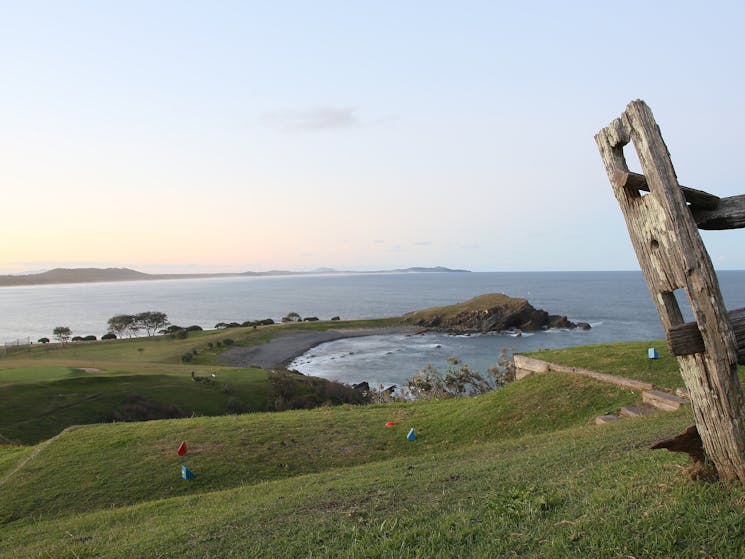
(47,387)
(522,471)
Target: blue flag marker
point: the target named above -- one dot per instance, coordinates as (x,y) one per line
(186,474)
(411,436)
(652,353)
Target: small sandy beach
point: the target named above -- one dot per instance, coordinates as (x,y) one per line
(286,346)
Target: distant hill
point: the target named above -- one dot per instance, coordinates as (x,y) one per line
(92,275)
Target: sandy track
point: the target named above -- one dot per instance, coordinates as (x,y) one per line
(286,346)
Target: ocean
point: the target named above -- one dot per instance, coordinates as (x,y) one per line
(616,304)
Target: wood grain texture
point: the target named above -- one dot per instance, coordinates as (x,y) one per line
(696,198)
(686,338)
(729,214)
(672,256)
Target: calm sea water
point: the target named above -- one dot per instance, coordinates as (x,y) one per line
(617,304)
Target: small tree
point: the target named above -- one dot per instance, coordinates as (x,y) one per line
(151,321)
(122,324)
(62,333)
(291,317)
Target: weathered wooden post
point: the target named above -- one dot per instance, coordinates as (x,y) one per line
(664,233)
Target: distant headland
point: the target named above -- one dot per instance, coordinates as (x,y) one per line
(94,275)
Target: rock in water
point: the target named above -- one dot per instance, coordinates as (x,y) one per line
(493,312)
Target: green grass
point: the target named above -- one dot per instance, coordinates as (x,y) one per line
(585,491)
(626,359)
(479,303)
(32,412)
(117,464)
(522,471)
(46,388)
(165,349)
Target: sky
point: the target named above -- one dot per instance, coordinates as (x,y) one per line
(233,136)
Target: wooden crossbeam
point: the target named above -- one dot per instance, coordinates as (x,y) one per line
(710,212)
(729,214)
(696,198)
(685,339)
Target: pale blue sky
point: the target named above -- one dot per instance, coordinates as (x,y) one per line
(229,136)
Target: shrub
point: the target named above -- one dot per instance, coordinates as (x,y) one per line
(335,318)
(193,328)
(228,341)
(90,338)
(109,336)
(429,384)
(77,338)
(235,406)
(179,334)
(43,340)
(187,357)
(310,319)
(266,322)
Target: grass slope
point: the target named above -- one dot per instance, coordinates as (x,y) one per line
(627,359)
(522,471)
(581,492)
(45,388)
(95,467)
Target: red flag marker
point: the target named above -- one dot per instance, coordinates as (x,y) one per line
(389,424)
(182,449)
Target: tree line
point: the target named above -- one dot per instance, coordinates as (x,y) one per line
(156,322)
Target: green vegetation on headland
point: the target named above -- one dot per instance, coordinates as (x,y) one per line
(521,471)
(47,387)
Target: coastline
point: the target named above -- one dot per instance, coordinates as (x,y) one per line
(283,348)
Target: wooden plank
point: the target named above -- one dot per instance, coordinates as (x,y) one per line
(672,256)
(686,339)
(630,383)
(662,400)
(729,214)
(696,198)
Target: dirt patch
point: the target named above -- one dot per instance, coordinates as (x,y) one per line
(286,346)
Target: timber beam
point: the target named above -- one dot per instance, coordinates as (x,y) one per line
(685,339)
(729,214)
(696,198)
(710,212)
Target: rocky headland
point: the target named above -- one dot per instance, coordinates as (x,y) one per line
(493,312)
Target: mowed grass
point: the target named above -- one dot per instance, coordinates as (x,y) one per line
(100,466)
(585,491)
(626,359)
(34,411)
(522,471)
(46,388)
(167,349)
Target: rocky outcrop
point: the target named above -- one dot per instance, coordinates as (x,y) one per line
(493,312)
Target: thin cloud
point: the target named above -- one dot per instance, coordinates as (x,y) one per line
(314,120)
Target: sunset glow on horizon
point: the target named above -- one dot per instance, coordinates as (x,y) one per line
(237,136)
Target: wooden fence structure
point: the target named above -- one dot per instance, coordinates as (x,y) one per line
(663,219)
